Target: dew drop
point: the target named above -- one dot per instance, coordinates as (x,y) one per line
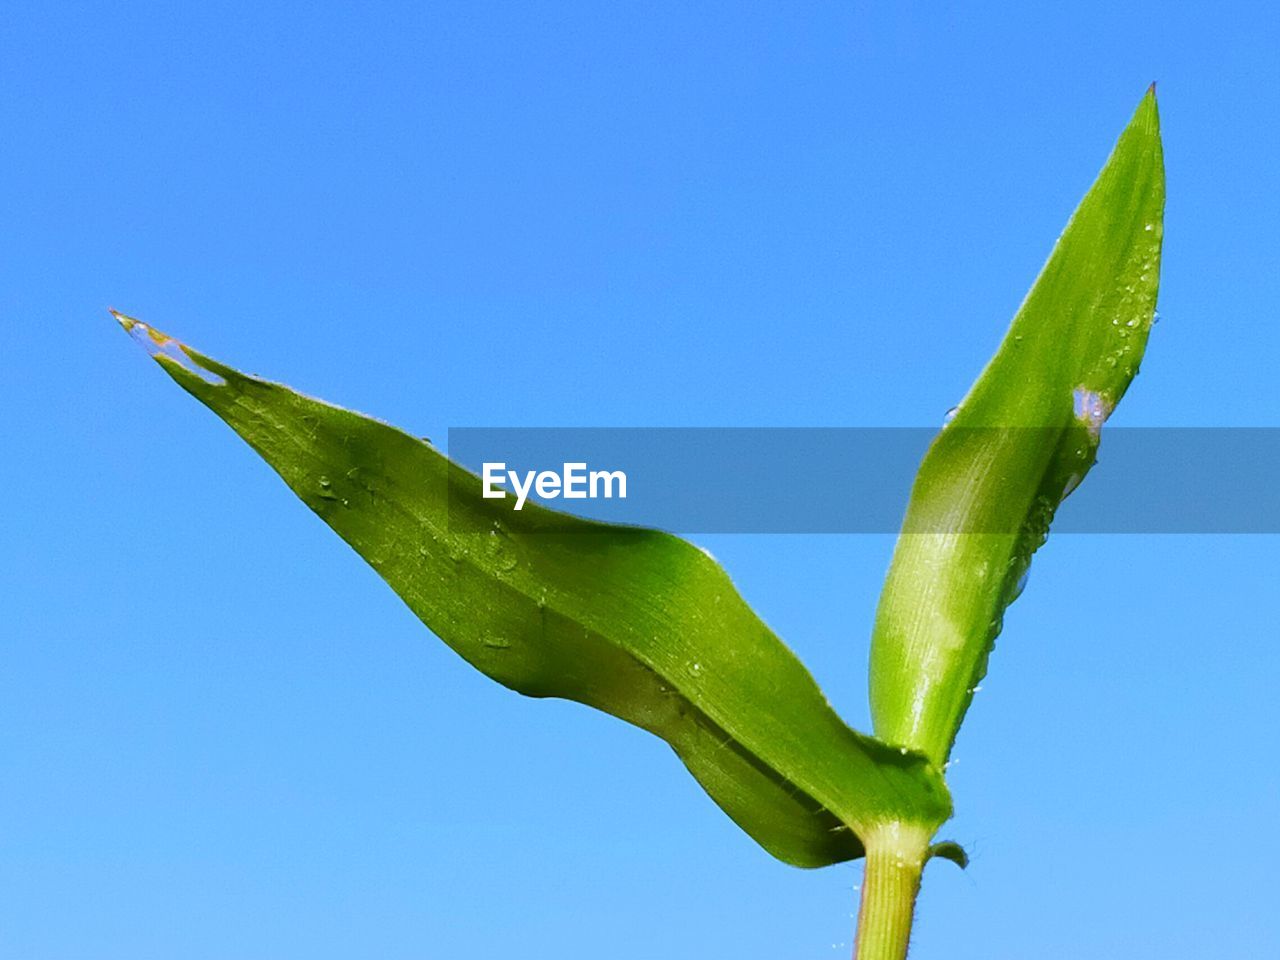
(326,489)
(1018,586)
(500,550)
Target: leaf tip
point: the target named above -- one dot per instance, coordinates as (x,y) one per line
(1147,116)
(123,319)
(165,350)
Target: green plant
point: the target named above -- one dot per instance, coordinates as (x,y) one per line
(649,628)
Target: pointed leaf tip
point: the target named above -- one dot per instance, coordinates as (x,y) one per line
(167,351)
(123,319)
(1146,118)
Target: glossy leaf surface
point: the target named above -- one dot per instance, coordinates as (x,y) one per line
(634,622)
(1020,441)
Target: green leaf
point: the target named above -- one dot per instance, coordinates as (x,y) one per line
(950,850)
(1021,440)
(634,622)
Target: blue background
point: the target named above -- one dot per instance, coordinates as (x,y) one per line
(222,736)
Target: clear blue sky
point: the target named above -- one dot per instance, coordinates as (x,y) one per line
(222,736)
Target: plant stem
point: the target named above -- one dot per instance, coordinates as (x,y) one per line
(896,853)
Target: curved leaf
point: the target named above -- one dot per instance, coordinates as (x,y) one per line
(950,850)
(1021,440)
(634,622)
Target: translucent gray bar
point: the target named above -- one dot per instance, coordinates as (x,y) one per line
(857,480)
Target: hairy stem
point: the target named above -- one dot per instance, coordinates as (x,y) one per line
(896,853)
